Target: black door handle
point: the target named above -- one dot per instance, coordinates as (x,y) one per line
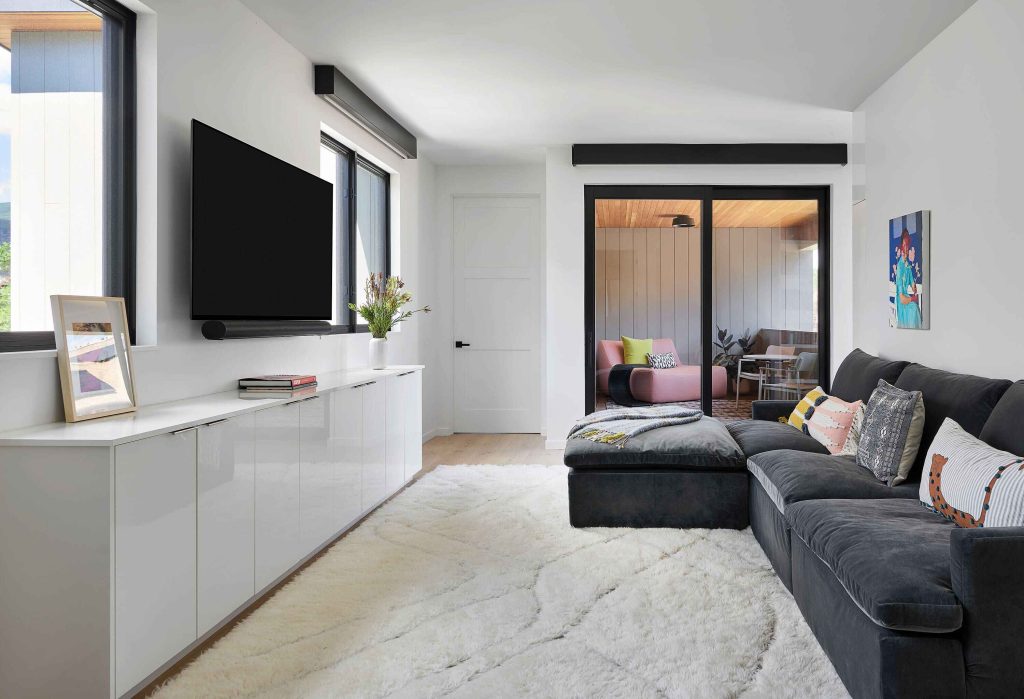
(460,344)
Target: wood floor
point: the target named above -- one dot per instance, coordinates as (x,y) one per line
(488,449)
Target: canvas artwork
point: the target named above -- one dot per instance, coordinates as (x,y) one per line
(909,283)
(94,356)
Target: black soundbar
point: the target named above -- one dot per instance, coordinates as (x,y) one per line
(236,329)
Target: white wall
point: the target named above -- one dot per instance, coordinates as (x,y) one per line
(564,258)
(452,181)
(944,133)
(219,63)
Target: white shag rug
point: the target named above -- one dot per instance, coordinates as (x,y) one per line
(471,583)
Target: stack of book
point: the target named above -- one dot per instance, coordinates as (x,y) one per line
(278,386)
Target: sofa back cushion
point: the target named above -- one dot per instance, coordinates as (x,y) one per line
(1003,428)
(859,373)
(969,400)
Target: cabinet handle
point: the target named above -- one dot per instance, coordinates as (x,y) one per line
(308,399)
(360,385)
(408,372)
(183,430)
(215,422)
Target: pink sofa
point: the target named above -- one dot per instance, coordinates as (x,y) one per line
(681,383)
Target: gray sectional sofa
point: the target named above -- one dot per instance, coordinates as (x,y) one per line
(904,603)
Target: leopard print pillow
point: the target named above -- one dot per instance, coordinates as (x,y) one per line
(661,361)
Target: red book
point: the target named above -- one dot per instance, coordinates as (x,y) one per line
(277,381)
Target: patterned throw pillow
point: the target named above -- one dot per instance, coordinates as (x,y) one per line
(826,418)
(806,406)
(853,439)
(664,360)
(970,483)
(891,433)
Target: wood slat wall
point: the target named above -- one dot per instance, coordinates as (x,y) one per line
(648,283)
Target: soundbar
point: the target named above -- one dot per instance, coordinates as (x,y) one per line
(237,329)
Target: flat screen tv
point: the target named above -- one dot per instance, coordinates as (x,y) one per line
(262,234)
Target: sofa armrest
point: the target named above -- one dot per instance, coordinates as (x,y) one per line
(987,572)
(772,410)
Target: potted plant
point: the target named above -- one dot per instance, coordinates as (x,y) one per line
(730,349)
(382,311)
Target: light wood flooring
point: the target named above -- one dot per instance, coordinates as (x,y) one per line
(488,449)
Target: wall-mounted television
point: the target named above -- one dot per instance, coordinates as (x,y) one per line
(262,234)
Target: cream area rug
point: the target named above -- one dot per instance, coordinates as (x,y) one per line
(471,583)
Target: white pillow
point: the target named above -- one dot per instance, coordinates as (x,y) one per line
(970,483)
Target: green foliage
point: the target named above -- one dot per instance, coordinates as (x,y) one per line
(382,310)
(5,257)
(5,289)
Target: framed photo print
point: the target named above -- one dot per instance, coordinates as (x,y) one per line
(94,353)
(909,279)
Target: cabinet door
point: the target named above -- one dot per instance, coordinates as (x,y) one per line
(413,397)
(394,427)
(316,472)
(278,544)
(347,449)
(226,519)
(374,479)
(155,553)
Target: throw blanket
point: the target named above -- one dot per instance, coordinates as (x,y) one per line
(616,426)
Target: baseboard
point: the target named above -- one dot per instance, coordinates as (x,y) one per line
(439,432)
(554,444)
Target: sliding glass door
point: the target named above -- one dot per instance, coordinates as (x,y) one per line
(727,285)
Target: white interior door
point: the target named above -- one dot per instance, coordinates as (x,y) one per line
(497,314)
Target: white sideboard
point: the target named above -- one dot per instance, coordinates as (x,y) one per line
(127,541)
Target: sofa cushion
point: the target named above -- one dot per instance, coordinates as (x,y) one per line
(794,476)
(759,436)
(891,556)
(969,400)
(859,373)
(890,436)
(702,445)
(1003,428)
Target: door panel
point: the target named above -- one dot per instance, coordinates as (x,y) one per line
(278,543)
(374,459)
(316,473)
(347,449)
(395,433)
(413,397)
(497,312)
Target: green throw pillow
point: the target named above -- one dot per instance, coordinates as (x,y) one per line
(635,351)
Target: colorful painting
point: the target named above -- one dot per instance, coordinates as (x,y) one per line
(909,283)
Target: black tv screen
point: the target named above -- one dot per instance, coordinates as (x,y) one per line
(262,234)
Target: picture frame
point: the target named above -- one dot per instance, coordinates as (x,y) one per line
(909,292)
(94,356)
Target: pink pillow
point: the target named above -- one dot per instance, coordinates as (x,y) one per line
(830,422)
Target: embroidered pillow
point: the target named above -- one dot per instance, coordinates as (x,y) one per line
(806,406)
(635,351)
(970,483)
(825,418)
(853,439)
(661,361)
(891,433)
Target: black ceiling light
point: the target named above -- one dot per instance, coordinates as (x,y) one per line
(682,221)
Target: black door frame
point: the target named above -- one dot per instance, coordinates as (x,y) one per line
(706,194)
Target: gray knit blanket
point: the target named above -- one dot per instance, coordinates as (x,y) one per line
(618,425)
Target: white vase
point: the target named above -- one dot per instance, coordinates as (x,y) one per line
(378,353)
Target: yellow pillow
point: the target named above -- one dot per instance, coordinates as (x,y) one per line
(635,351)
(796,418)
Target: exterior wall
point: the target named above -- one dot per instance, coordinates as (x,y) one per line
(56,171)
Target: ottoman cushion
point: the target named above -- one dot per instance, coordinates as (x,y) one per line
(703,445)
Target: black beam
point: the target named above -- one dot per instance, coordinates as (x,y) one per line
(331,84)
(709,154)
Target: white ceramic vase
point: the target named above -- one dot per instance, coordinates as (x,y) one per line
(378,353)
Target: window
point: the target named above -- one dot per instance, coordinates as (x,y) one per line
(67,177)
(362,224)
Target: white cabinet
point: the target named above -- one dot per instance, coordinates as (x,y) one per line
(395,433)
(316,473)
(347,455)
(226,518)
(155,553)
(412,400)
(278,544)
(374,469)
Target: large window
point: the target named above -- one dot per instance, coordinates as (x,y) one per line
(67,180)
(362,224)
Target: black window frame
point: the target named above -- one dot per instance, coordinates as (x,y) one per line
(119,170)
(346,228)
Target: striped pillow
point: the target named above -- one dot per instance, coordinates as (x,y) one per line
(806,407)
(970,483)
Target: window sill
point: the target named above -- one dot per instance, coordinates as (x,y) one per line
(52,353)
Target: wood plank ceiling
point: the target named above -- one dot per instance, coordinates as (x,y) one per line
(658,213)
(46,22)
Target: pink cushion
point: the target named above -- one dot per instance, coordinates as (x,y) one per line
(680,383)
(831,421)
(609,353)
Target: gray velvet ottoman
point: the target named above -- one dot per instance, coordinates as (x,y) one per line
(685,476)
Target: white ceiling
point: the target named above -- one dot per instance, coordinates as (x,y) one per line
(498,80)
